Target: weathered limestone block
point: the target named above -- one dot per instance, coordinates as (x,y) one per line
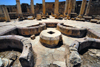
(74,58)
(80,19)
(93,20)
(27,57)
(44,17)
(47,16)
(98,22)
(53,65)
(75,44)
(33,37)
(56,16)
(9,31)
(87,18)
(73,15)
(51,24)
(1,63)
(38,17)
(72,18)
(30,17)
(6,62)
(50,38)
(92,34)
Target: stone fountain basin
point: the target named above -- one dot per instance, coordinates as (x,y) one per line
(19,43)
(71,31)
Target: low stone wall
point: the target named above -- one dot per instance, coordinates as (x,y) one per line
(51,24)
(86,43)
(71,31)
(18,42)
(91,33)
(80,45)
(10,31)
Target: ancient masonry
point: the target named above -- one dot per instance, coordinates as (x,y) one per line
(50,37)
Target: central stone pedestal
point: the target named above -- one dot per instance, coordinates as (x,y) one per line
(50,38)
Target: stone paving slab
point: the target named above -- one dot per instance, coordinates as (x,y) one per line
(5,28)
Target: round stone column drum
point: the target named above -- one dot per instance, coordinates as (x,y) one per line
(50,38)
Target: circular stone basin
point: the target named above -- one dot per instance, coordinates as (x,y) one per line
(31,29)
(50,38)
(71,31)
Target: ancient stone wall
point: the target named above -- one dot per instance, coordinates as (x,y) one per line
(94,8)
(12,9)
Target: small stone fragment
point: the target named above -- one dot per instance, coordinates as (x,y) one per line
(98,22)
(33,37)
(72,49)
(30,17)
(75,58)
(14,57)
(53,65)
(6,62)
(94,51)
(1,63)
(92,55)
(94,20)
(98,55)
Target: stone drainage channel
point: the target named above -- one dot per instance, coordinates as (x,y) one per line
(45,49)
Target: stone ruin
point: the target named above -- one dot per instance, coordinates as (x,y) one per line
(65,39)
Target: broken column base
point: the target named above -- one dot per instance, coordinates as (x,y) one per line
(56,16)
(44,17)
(80,19)
(30,17)
(47,16)
(72,18)
(38,17)
(73,15)
(20,16)
(98,22)
(93,20)
(87,18)
(68,17)
(28,56)
(80,16)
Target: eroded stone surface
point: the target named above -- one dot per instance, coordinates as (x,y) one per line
(1,63)
(8,55)
(50,38)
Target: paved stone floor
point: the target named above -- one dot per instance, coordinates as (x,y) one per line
(45,56)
